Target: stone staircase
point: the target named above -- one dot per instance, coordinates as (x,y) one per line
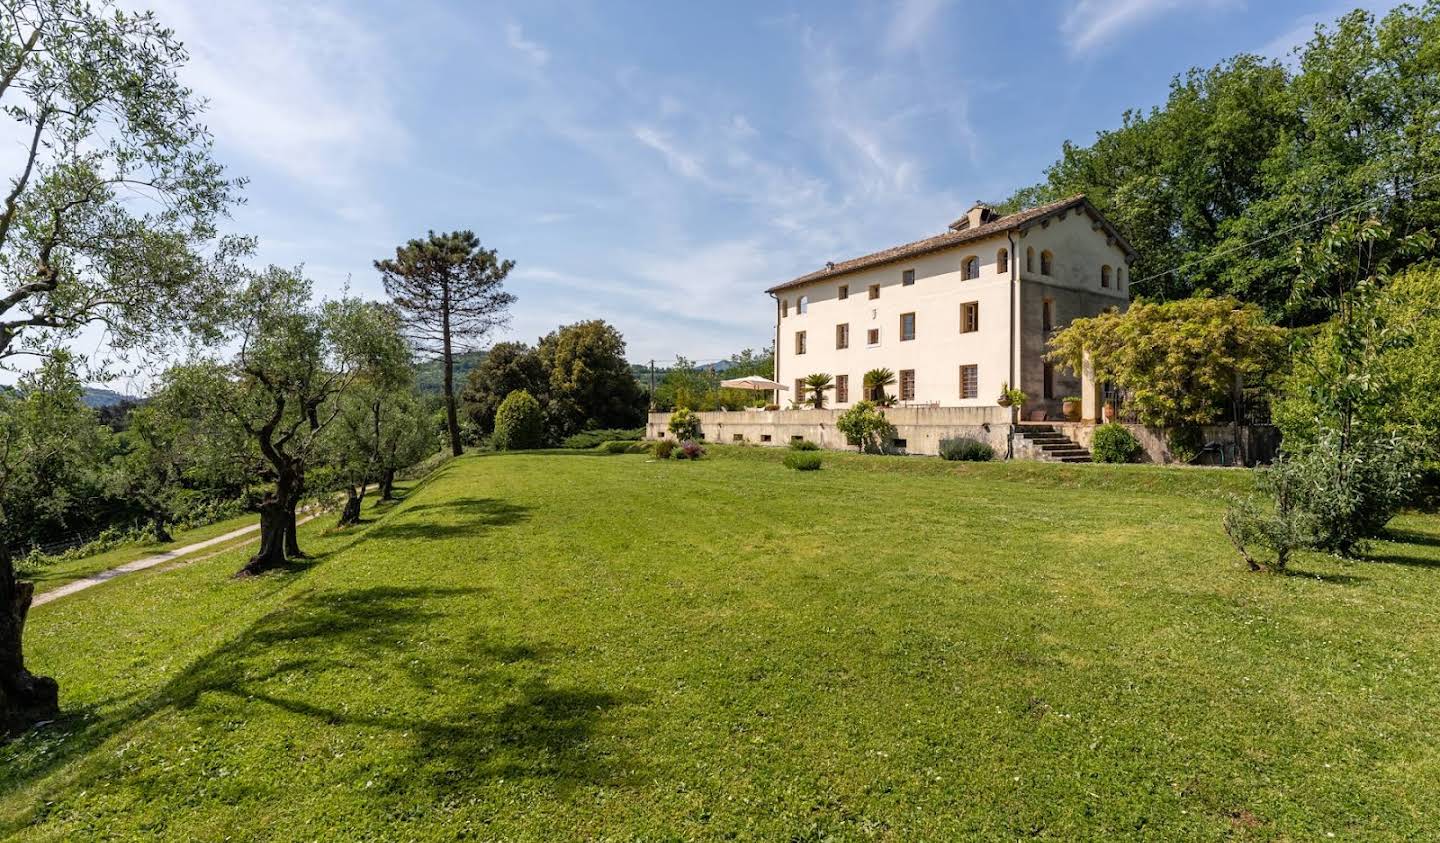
(1043,442)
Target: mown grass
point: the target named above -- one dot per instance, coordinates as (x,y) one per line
(536,646)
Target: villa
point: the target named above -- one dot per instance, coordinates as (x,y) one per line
(959,315)
(956,317)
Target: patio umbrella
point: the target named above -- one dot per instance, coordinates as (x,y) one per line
(754,383)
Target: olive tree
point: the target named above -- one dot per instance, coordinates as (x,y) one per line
(283,389)
(110,202)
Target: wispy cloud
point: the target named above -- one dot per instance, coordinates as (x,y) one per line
(300,90)
(1093,24)
(533,51)
(912,21)
(684,163)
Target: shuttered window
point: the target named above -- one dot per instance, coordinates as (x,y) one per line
(970,381)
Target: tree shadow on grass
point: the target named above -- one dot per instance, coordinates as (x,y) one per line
(1333,579)
(1412,537)
(479,708)
(470,516)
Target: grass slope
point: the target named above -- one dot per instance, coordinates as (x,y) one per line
(577,646)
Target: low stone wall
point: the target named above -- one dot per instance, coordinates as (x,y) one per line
(917,429)
(920,429)
(1257,443)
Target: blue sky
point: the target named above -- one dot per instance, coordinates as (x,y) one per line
(659,165)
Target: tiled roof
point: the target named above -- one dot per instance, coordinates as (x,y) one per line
(952,238)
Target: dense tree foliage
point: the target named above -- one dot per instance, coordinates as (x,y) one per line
(1222,182)
(509,366)
(1179,362)
(1372,368)
(284,386)
(110,199)
(450,291)
(590,384)
(577,373)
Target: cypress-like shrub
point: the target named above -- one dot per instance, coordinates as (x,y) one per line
(519,423)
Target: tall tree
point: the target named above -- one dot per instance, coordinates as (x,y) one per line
(283,388)
(510,366)
(590,380)
(1247,160)
(450,293)
(113,192)
(46,438)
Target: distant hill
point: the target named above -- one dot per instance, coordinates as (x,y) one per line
(96,397)
(430,374)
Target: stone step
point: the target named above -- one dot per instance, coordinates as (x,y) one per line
(1085,458)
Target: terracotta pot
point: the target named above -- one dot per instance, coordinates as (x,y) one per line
(1004,401)
(1071,409)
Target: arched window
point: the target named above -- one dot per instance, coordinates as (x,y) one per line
(1030,259)
(1002,261)
(1047,261)
(1105,275)
(970,268)
(802,306)
(1119,277)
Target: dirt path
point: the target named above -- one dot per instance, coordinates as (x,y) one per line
(151,561)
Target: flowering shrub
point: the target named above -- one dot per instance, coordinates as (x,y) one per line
(685,424)
(690,450)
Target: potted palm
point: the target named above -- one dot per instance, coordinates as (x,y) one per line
(817,385)
(876,380)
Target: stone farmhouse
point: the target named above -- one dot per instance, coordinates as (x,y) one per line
(958,315)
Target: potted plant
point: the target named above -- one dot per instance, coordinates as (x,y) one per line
(1109,411)
(1011,397)
(1070,407)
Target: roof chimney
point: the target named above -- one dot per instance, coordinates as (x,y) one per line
(978,215)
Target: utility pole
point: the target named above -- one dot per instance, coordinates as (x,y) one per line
(652,383)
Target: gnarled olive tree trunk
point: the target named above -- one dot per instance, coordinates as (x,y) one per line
(354,497)
(25,699)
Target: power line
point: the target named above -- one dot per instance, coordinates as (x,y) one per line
(1275,234)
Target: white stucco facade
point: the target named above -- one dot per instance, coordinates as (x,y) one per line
(1088,273)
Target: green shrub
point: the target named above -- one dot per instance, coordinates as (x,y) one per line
(965,448)
(664,448)
(1330,497)
(1114,443)
(519,423)
(803,445)
(803,460)
(616,447)
(1184,443)
(865,426)
(685,424)
(639,447)
(595,438)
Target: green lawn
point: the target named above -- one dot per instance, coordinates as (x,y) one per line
(564,647)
